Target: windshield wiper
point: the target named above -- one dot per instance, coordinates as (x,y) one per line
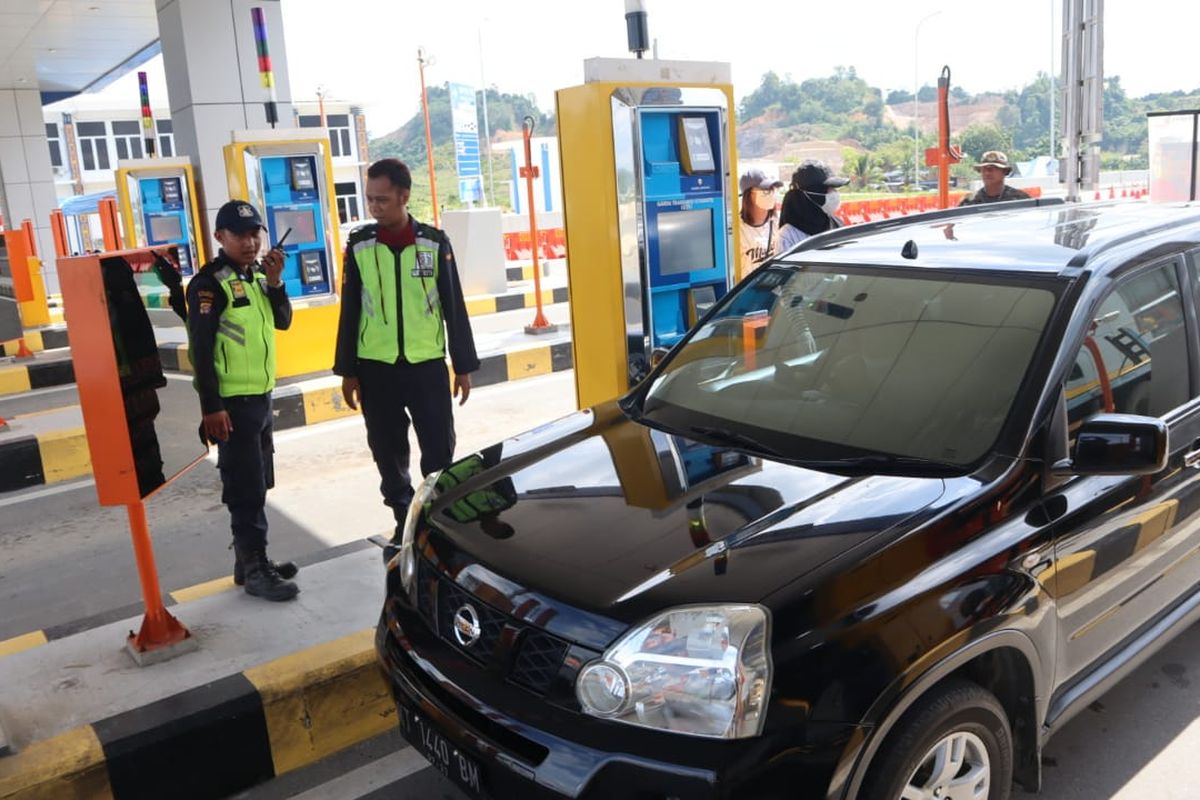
(733,437)
(877,460)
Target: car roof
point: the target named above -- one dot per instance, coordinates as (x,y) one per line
(1036,236)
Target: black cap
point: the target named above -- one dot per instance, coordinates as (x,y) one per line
(813,176)
(238,216)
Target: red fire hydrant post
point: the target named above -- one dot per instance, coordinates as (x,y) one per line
(529,172)
(944,154)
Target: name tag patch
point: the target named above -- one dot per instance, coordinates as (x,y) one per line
(424,266)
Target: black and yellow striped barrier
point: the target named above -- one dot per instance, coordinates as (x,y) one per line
(36,340)
(62,455)
(22,377)
(219,738)
(493,303)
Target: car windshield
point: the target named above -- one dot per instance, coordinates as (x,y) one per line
(879,367)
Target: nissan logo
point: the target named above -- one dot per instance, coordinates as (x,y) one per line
(466,626)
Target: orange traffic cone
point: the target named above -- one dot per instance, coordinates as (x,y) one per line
(1111,193)
(23,350)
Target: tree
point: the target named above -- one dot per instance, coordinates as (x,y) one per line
(860,168)
(978,139)
(898,96)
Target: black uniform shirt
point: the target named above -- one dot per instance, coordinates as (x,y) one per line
(206,302)
(461,341)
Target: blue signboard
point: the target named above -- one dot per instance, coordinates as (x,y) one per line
(466,142)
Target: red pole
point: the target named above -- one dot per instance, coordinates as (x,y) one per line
(428,138)
(945,154)
(159,628)
(529,172)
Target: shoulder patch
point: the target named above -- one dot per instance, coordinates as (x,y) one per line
(362,232)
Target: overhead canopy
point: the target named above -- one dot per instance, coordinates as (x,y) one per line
(62,47)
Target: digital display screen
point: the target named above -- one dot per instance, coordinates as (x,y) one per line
(685,241)
(165,228)
(302,174)
(696,145)
(304,227)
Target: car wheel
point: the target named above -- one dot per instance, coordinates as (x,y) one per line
(953,744)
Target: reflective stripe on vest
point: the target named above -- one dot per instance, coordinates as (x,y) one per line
(378,335)
(244,353)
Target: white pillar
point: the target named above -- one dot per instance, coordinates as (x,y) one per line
(213,81)
(26,180)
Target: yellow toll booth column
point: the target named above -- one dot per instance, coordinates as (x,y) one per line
(648,199)
(288,175)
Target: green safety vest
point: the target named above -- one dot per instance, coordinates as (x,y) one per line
(378,335)
(244,353)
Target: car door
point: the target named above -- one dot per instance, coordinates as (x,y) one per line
(1126,547)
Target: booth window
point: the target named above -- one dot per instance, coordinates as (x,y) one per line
(166,138)
(347,201)
(55,147)
(93,145)
(339,131)
(128,136)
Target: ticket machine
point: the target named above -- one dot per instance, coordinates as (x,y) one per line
(159,208)
(648,202)
(288,175)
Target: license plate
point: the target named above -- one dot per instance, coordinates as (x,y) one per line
(444,756)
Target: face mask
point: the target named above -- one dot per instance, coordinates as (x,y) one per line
(833,200)
(764,200)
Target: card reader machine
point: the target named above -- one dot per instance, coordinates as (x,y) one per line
(291,199)
(158,205)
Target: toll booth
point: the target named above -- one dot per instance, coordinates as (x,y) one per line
(159,208)
(1174,166)
(288,176)
(648,200)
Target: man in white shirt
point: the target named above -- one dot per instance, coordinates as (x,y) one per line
(759,229)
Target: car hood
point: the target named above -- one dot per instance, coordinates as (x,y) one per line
(616,520)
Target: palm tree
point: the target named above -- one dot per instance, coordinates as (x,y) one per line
(862,170)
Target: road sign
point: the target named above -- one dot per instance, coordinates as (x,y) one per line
(466,142)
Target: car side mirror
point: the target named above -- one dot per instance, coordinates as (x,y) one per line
(657,355)
(1117,444)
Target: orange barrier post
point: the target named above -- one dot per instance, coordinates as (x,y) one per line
(17,243)
(529,172)
(159,629)
(58,226)
(421,62)
(110,226)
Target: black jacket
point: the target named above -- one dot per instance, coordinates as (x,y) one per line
(460,340)
(206,302)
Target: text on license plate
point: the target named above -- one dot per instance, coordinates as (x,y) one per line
(445,757)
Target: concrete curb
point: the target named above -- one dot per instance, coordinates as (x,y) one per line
(219,738)
(478,305)
(37,340)
(63,455)
(23,377)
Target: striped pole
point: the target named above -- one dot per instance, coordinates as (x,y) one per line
(147,116)
(264,63)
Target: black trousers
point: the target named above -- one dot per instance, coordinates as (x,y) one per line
(391,393)
(247,464)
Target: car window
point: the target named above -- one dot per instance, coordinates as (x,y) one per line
(826,363)
(1134,359)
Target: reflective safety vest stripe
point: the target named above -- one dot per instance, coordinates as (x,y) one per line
(378,334)
(244,353)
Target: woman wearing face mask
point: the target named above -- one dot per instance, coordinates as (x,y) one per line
(809,204)
(760,230)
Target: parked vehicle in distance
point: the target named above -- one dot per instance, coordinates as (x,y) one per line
(901,504)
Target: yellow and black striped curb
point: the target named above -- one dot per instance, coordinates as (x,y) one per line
(525,273)
(493,303)
(22,377)
(220,738)
(28,641)
(36,340)
(63,455)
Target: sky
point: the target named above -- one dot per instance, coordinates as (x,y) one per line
(366,53)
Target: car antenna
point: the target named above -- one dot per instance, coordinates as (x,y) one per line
(909,250)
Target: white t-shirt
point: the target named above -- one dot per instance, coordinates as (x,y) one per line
(759,242)
(789,237)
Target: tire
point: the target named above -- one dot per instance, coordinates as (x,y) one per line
(957,718)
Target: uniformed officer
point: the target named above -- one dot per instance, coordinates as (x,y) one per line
(993,168)
(401,303)
(233,312)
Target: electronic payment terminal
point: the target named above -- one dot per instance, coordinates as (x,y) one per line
(159,208)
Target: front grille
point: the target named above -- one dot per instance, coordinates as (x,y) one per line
(536,655)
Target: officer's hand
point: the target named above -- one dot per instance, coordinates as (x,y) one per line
(350,392)
(272,265)
(166,271)
(218,426)
(462,383)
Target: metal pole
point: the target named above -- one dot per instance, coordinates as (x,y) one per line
(487,130)
(917,102)
(421,61)
(1050,76)
(529,172)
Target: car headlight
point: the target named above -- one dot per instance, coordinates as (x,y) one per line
(406,559)
(700,670)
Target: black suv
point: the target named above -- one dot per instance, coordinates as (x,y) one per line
(901,504)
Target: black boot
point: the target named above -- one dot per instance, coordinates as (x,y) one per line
(286,569)
(261,578)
